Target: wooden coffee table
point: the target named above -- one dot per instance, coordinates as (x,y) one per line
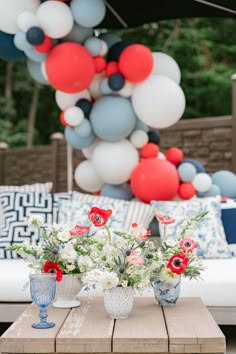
(186,328)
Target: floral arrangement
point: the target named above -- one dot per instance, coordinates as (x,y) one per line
(60,249)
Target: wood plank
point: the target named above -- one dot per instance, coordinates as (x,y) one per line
(190,323)
(22,338)
(88,329)
(143,331)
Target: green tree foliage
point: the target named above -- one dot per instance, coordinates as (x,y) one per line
(205,50)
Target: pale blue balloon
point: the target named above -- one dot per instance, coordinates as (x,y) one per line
(94,45)
(84,129)
(226,181)
(88,13)
(119,191)
(32,54)
(212,192)
(141,126)
(105,88)
(77,142)
(112,118)
(110,38)
(35,72)
(21,42)
(79,34)
(187,172)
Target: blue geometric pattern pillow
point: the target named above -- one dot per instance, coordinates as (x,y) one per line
(209,232)
(76,213)
(16,210)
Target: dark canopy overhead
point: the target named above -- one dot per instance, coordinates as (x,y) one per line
(138,12)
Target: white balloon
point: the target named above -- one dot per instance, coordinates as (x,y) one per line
(202,182)
(139,138)
(26,20)
(104,49)
(165,65)
(158,101)
(74,116)
(11,9)
(65,100)
(126,90)
(95,88)
(87,178)
(161,156)
(114,161)
(88,151)
(55,18)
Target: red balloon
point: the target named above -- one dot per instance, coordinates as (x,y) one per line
(99,63)
(136,62)
(45,46)
(149,150)
(112,68)
(186,190)
(62,119)
(154,179)
(174,155)
(70,67)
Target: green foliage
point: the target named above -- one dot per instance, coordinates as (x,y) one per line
(205,50)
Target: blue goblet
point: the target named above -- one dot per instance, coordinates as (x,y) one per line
(43,290)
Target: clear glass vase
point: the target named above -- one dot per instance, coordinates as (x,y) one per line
(166,293)
(67,289)
(118,302)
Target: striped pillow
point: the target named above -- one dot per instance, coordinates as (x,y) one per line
(138,212)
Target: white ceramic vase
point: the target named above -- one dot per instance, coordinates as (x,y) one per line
(66,291)
(118,302)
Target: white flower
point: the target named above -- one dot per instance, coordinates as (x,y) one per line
(167,276)
(63,236)
(124,283)
(70,267)
(35,221)
(109,280)
(85,261)
(68,253)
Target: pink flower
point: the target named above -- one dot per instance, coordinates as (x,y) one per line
(187,244)
(79,230)
(133,258)
(139,232)
(165,219)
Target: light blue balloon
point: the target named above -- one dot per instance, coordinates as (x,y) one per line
(88,13)
(21,42)
(32,54)
(112,118)
(84,129)
(35,72)
(226,181)
(187,172)
(212,192)
(79,34)
(141,126)
(94,45)
(77,142)
(104,87)
(110,38)
(119,191)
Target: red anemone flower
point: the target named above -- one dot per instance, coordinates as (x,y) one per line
(79,230)
(178,263)
(139,232)
(53,267)
(99,216)
(187,244)
(165,219)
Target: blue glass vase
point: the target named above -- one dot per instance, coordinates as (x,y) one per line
(43,290)
(166,293)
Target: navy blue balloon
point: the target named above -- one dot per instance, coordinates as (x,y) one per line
(85,105)
(119,191)
(116,50)
(116,82)
(8,50)
(154,137)
(35,35)
(199,167)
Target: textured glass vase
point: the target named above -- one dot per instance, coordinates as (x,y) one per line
(118,302)
(166,293)
(66,292)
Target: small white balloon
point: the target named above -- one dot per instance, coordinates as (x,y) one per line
(26,20)
(104,49)
(165,65)
(88,151)
(202,182)
(87,178)
(73,116)
(65,100)
(126,90)
(55,18)
(95,87)
(161,156)
(139,138)
(114,162)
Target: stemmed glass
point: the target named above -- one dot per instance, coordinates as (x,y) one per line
(43,290)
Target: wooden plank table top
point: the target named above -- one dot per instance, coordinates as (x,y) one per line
(187,327)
